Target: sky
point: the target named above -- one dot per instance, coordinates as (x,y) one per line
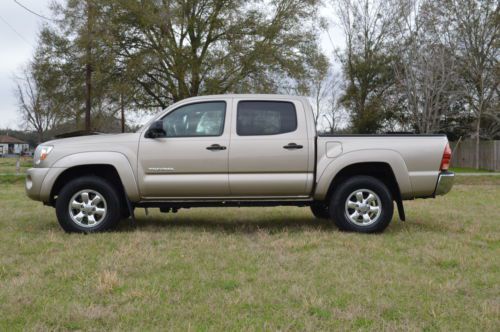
(18,35)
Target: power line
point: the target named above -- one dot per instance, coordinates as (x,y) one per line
(15,31)
(33,12)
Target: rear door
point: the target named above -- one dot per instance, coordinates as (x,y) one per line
(269,150)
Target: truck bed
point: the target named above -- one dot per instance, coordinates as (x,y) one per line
(414,159)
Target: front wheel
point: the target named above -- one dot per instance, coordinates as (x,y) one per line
(88,204)
(362,204)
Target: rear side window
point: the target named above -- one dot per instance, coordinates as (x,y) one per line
(265,118)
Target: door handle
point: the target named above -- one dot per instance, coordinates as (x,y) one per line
(215,147)
(291,146)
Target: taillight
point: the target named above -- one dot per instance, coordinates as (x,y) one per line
(445,162)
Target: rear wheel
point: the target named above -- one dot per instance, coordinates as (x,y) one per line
(88,204)
(362,204)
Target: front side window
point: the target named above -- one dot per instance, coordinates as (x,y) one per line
(265,118)
(200,119)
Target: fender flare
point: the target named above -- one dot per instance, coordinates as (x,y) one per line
(114,159)
(390,157)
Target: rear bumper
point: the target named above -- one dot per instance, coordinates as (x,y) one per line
(445,183)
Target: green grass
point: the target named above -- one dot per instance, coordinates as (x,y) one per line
(478,180)
(468,170)
(254,269)
(11,178)
(8,165)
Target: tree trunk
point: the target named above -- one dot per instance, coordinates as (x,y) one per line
(478,128)
(40,136)
(88,69)
(122,106)
(88,86)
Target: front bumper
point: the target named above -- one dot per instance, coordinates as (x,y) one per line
(445,183)
(34,180)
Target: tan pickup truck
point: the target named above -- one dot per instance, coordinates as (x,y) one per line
(237,150)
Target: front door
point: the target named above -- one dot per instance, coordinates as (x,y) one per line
(192,160)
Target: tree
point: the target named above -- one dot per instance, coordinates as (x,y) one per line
(426,67)
(181,48)
(77,48)
(332,112)
(38,111)
(366,61)
(319,83)
(105,57)
(476,26)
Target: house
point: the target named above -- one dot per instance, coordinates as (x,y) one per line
(12,145)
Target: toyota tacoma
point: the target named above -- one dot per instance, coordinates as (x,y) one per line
(238,150)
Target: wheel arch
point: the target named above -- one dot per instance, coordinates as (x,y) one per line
(386,165)
(116,169)
(379,170)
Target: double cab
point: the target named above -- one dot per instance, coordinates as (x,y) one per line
(237,150)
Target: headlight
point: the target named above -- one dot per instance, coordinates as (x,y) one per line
(41,153)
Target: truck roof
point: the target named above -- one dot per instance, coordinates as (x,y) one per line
(249,96)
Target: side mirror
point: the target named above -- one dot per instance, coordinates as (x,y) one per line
(156,130)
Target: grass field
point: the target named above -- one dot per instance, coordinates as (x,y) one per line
(468,170)
(8,165)
(254,269)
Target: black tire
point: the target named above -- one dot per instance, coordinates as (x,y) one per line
(320,210)
(125,213)
(94,183)
(345,191)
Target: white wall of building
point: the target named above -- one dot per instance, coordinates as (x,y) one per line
(18,148)
(4,148)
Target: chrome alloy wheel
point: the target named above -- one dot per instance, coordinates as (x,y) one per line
(87,208)
(363,207)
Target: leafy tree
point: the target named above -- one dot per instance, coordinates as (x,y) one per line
(101,58)
(180,48)
(81,67)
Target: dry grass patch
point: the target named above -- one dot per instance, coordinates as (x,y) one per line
(107,282)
